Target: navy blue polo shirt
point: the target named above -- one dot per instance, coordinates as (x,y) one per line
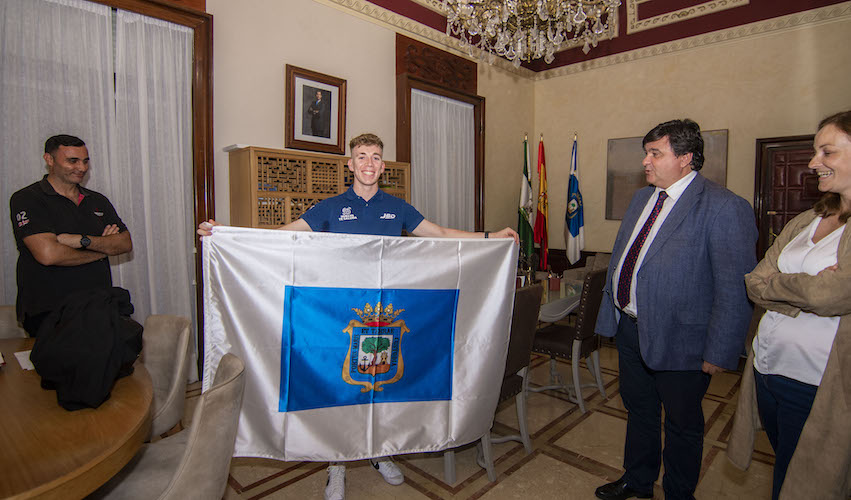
(383,215)
(38,208)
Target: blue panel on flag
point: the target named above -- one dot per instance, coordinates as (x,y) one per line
(349,346)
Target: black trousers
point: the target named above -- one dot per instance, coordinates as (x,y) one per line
(32,323)
(645,392)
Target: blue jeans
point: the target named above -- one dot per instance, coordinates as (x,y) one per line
(784,405)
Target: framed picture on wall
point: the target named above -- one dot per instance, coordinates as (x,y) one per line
(315,117)
(625,175)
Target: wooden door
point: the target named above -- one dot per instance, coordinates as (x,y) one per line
(785,186)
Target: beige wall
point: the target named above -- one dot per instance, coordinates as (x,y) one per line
(765,86)
(509,114)
(255,39)
(768,86)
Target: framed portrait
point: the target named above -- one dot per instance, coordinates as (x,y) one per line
(625,175)
(315,117)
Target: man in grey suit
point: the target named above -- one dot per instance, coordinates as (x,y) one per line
(676,303)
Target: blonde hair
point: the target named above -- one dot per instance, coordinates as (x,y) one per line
(366,140)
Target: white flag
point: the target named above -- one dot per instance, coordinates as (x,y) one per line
(574,220)
(358,346)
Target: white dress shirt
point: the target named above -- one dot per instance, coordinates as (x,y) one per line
(798,347)
(674,191)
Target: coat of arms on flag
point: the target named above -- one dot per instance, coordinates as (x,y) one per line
(358,346)
(352,361)
(374,348)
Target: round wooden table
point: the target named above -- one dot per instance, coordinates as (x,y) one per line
(49,452)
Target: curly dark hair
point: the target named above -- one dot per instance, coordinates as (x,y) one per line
(684,136)
(831,203)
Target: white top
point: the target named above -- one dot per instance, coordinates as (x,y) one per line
(798,347)
(675,191)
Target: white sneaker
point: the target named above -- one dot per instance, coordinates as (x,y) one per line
(389,471)
(335,488)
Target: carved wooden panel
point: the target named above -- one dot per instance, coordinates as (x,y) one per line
(434,65)
(273,187)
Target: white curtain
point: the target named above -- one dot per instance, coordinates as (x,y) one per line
(151,163)
(442,159)
(55,77)
(130,98)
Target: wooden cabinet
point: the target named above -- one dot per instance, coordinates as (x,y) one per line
(273,187)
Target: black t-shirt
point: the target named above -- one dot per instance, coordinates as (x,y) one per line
(38,208)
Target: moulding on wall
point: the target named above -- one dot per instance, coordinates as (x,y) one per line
(822,15)
(398,23)
(634,24)
(434,5)
(386,18)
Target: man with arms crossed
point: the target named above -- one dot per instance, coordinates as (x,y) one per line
(365,209)
(64,233)
(675,300)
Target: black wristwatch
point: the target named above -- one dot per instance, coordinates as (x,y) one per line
(85,241)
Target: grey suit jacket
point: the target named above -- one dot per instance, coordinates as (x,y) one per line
(690,290)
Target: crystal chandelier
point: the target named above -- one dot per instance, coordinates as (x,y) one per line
(524,30)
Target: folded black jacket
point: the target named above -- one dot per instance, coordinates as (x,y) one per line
(85,344)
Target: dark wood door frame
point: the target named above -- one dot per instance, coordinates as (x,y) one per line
(202,120)
(404,84)
(767,220)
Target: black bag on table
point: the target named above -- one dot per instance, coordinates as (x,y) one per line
(85,344)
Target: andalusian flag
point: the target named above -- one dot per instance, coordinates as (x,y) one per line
(525,213)
(574,222)
(543,206)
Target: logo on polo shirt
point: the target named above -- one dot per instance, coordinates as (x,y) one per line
(347,214)
(98,213)
(22,219)
(388,216)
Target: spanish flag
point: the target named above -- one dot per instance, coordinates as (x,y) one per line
(543,207)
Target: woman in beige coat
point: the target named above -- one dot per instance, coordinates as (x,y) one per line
(799,371)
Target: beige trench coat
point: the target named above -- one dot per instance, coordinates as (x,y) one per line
(821,465)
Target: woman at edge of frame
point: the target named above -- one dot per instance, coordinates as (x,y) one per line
(802,350)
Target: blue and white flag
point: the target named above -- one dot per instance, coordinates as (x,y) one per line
(574,222)
(358,346)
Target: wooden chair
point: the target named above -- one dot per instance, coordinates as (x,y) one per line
(194,463)
(575,342)
(515,382)
(166,355)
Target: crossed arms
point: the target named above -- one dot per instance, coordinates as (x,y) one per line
(64,249)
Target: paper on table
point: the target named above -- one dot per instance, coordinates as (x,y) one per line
(2,361)
(24,360)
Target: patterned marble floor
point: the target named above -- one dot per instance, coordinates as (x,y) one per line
(573,453)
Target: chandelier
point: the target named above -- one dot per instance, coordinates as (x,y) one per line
(525,30)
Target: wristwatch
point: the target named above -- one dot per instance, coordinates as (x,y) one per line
(85,241)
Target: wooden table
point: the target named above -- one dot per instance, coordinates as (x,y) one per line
(49,452)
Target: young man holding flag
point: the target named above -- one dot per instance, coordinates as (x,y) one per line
(365,209)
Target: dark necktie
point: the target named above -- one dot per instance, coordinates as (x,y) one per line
(625,278)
